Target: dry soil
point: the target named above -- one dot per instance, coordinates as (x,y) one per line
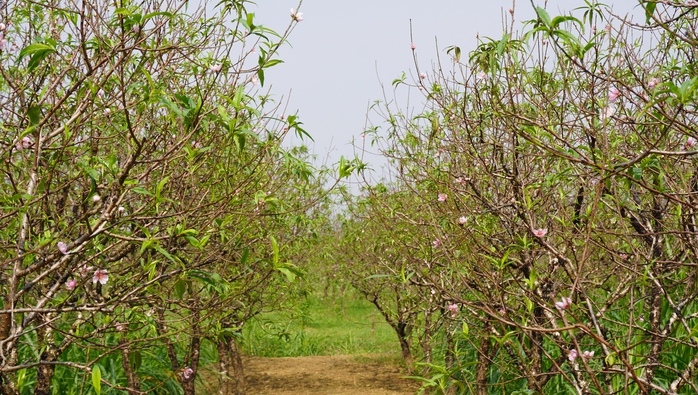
(327,375)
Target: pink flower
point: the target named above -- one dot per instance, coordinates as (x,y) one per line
(690,143)
(24,143)
(437,243)
(3,44)
(296,16)
(71,284)
(453,308)
(654,81)
(84,269)
(62,247)
(100,276)
(2,27)
(215,68)
(423,75)
(136,28)
(613,94)
(100,93)
(188,372)
(462,220)
(564,304)
(442,197)
(572,355)
(481,75)
(587,355)
(412,46)
(540,232)
(107,111)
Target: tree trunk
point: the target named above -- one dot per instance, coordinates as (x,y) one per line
(44,373)
(134,382)
(483,364)
(232,381)
(401,330)
(7,387)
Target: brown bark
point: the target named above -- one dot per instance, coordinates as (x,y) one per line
(232,381)
(483,365)
(7,387)
(403,337)
(134,382)
(44,372)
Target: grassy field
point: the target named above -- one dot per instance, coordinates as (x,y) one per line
(322,326)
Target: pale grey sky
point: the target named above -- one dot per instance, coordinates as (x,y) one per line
(342,49)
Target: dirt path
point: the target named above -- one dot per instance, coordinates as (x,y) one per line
(330,375)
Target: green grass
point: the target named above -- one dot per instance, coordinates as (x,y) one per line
(343,325)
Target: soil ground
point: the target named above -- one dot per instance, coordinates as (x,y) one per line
(327,375)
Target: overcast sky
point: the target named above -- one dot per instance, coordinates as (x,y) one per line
(343,50)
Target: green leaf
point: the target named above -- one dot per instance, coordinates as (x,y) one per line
(260,75)
(136,360)
(180,288)
(271,63)
(38,52)
(97,379)
(275,248)
(34,114)
(544,16)
(610,359)
(649,10)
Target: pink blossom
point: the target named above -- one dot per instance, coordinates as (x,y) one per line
(423,75)
(572,355)
(71,284)
(62,247)
(135,29)
(453,308)
(84,269)
(442,197)
(564,304)
(188,372)
(481,75)
(100,276)
(654,81)
(462,220)
(296,16)
(107,111)
(623,256)
(100,93)
(613,94)
(412,46)
(2,27)
(588,355)
(24,143)
(215,68)
(540,232)
(690,143)
(436,243)
(3,44)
